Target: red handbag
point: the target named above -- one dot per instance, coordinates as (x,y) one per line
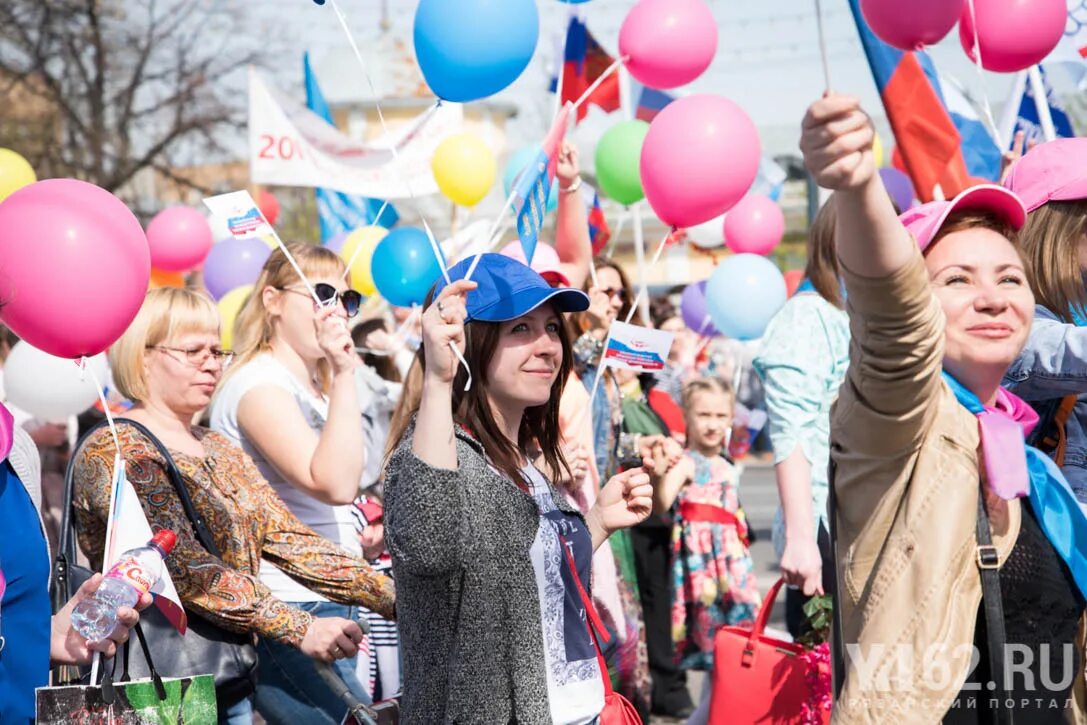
(760,679)
(617,709)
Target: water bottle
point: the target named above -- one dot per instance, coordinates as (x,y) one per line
(134,573)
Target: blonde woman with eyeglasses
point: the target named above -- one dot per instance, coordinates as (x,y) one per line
(169,362)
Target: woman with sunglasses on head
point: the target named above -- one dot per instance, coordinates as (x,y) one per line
(487,556)
(290,401)
(961,550)
(169,362)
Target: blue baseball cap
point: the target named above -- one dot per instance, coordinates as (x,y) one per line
(508,289)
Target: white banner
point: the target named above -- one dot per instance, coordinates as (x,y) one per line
(289,145)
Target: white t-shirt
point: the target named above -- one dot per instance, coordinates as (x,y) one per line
(335,523)
(575,690)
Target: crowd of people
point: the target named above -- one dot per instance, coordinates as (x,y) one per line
(465,507)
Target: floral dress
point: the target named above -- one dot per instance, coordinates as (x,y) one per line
(713,575)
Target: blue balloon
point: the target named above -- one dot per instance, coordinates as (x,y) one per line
(404,267)
(517,163)
(471,49)
(743,294)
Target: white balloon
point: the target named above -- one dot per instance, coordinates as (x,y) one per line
(48,387)
(708,235)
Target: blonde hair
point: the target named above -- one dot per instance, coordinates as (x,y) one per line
(822,267)
(707,385)
(166,313)
(1050,242)
(253,327)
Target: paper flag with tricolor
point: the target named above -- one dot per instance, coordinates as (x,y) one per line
(240,213)
(127,529)
(533,187)
(641,349)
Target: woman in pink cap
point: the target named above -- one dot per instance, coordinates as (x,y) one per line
(959,550)
(1051,372)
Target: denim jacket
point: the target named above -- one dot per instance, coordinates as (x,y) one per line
(1052,365)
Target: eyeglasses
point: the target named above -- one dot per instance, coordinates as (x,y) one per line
(615,292)
(197,356)
(327,294)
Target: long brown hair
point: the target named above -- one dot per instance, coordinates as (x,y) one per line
(472,409)
(1050,243)
(253,328)
(822,267)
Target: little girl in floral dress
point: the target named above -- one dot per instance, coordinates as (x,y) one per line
(712,572)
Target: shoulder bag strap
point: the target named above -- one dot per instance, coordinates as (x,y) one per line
(988,563)
(592,619)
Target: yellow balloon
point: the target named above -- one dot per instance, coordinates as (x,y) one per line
(363,240)
(464,168)
(230,305)
(877,151)
(15,173)
(270,241)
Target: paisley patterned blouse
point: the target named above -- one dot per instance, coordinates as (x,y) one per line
(248,521)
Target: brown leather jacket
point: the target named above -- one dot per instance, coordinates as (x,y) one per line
(907,483)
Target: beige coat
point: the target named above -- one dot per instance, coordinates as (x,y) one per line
(907,485)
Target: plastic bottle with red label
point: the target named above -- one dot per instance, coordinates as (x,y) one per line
(134,574)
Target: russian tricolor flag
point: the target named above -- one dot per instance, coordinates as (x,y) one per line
(940,152)
(584,60)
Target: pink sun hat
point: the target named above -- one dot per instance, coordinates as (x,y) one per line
(545,261)
(924,222)
(1053,171)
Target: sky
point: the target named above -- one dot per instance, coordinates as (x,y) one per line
(767,61)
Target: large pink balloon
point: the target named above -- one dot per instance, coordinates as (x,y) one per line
(668,43)
(699,158)
(180,239)
(911,25)
(74,266)
(754,226)
(1013,34)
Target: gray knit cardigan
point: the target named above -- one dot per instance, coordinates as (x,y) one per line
(466,599)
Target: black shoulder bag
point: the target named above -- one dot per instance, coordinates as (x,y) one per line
(205,648)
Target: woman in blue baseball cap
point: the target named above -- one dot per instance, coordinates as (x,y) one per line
(488,558)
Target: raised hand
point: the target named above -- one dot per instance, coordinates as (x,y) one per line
(443,323)
(837,142)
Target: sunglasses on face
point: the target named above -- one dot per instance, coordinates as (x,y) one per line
(327,294)
(615,292)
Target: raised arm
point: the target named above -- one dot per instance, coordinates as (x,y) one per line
(837,144)
(572,241)
(327,466)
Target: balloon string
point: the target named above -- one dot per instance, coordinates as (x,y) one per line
(990,121)
(822,43)
(494,228)
(596,84)
(84,368)
(358,248)
(385,128)
(645,284)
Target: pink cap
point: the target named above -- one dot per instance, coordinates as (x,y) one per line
(924,221)
(1053,171)
(545,261)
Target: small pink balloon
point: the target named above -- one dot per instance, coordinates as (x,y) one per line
(668,43)
(699,158)
(754,226)
(180,239)
(74,266)
(1013,34)
(912,26)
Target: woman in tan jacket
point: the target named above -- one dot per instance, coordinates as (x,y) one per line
(939,306)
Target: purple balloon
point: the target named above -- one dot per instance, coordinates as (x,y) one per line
(695,313)
(336,243)
(899,186)
(233,263)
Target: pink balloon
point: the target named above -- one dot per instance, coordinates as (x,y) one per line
(914,25)
(180,239)
(74,266)
(754,226)
(1013,34)
(699,158)
(668,43)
